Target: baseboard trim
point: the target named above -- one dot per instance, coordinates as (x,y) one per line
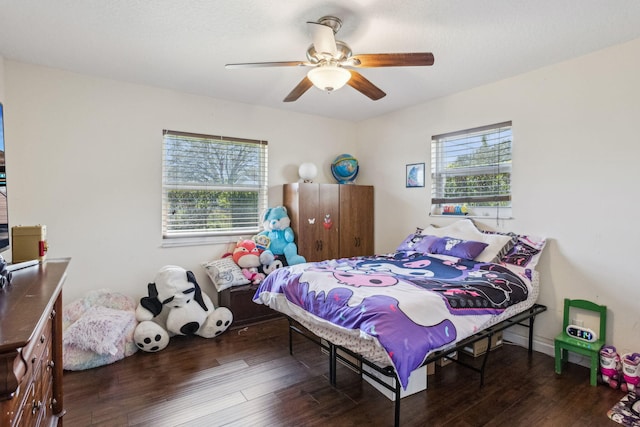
(543,347)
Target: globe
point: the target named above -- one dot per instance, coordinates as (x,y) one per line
(344,168)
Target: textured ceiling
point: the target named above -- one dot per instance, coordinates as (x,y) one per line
(183,45)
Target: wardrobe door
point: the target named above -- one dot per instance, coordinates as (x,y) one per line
(327,223)
(315,219)
(356,220)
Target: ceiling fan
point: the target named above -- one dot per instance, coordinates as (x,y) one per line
(332,61)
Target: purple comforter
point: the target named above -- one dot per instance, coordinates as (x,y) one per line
(411,303)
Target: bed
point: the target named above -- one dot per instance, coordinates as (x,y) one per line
(441,288)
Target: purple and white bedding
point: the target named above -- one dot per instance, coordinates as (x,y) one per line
(398,308)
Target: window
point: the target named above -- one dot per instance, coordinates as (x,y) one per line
(471,169)
(212,185)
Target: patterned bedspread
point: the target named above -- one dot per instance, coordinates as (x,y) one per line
(413,304)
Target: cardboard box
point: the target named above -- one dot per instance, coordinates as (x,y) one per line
(479,348)
(444,361)
(417,381)
(28,243)
(431,368)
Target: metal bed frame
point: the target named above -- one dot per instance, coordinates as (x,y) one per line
(388,371)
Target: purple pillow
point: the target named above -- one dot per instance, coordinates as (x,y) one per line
(457,247)
(410,242)
(417,242)
(425,243)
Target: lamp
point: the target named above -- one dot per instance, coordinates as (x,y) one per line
(329,77)
(307,171)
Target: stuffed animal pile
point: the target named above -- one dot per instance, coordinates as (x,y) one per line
(271,249)
(250,259)
(176,305)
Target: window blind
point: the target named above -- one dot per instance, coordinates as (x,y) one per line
(212,185)
(472,167)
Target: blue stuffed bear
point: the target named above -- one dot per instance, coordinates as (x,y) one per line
(276,223)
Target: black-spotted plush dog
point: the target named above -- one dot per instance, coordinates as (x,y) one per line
(176,305)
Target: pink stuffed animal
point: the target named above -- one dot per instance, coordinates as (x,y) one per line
(247,255)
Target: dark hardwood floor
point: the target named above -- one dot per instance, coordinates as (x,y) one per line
(246,377)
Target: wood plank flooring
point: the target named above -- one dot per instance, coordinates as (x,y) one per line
(246,377)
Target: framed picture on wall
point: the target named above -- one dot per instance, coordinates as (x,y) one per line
(415,175)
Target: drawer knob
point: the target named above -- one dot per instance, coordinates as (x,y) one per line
(36,406)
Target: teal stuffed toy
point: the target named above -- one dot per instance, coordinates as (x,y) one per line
(276,223)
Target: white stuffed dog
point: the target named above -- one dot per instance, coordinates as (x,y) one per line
(176,305)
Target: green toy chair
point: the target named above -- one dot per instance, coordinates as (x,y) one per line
(565,342)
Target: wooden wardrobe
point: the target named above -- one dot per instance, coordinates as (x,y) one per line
(331,220)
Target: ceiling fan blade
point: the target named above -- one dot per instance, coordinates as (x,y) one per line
(324,39)
(361,84)
(369,60)
(300,89)
(268,64)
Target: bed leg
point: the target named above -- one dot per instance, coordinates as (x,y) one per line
(290,339)
(531,319)
(332,364)
(396,420)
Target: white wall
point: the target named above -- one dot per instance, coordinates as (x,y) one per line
(575,177)
(84,157)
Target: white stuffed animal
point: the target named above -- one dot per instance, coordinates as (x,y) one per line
(176,305)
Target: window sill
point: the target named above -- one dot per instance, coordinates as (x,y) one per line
(179,242)
(486,216)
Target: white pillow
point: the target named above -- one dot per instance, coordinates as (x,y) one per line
(224,273)
(100,330)
(465,229)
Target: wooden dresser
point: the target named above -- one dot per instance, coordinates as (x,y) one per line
(31,346)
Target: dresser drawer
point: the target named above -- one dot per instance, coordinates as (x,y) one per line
(31,400)
(39,346)
(15,406)
(25,414)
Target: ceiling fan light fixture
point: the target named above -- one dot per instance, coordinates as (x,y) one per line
(329,77)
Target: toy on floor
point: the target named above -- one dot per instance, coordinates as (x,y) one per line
(610,366)
(630,372)
(276,223)
(176,305)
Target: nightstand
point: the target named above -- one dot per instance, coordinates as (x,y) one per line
(238,299)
